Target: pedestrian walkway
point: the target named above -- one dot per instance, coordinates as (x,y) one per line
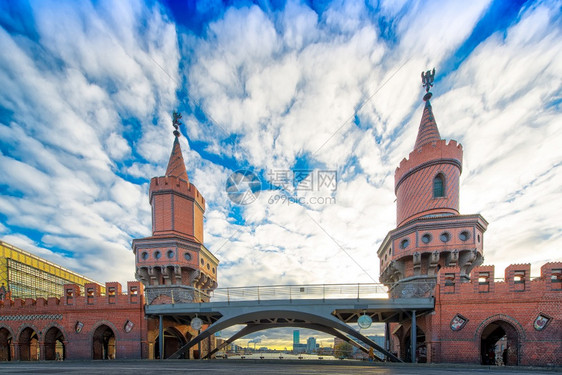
(258,367)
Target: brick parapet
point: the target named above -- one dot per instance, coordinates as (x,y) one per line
(434,151)
(552,271)
(483,285)
(167,184)
(72,300)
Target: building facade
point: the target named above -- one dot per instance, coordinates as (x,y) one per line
(75,326)
(436,251)
(24,275)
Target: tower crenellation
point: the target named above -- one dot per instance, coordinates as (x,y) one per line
(162,184)
(441,149)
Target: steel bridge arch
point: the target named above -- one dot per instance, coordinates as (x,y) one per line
(266,318)
(251,328)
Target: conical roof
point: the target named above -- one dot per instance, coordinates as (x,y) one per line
(428,131)
(176,165)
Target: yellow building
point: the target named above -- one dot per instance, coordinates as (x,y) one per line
(25,275)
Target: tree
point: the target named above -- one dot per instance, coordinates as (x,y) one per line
(343,350)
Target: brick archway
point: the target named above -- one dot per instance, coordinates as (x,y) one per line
(173,341)
(496,330)
(406,347)
(28,345)
(6,344)
(54,344)
(103,343)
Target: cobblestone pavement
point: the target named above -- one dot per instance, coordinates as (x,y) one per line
(256,367)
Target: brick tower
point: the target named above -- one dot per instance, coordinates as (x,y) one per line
(173,264)
(430,232)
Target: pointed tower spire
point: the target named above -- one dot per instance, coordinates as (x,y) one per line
(173,263)
(176,165)
(428,131)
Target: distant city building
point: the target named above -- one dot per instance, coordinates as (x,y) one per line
(311,345)
(299,348)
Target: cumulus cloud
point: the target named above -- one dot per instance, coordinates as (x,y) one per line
(72,80)
(85,123)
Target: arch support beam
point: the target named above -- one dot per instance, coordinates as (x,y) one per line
(291,318)
(251,328)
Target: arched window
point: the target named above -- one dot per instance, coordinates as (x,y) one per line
(439,186)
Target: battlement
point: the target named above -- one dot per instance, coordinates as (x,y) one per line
(517,279)
(437,151)
(166,184)
(72,299)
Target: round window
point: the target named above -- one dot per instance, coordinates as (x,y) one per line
(170,254)
(157,255)
(144,255)
(464,235)
(404,244)
(445,237)
(187,256)
(202,261)
(214,270)
(426,238)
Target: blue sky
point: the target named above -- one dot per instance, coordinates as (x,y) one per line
(87,90)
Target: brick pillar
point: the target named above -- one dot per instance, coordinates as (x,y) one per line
(16,346)
(42,350)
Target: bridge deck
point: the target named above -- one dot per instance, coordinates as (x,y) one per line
(326,308)
(345,309)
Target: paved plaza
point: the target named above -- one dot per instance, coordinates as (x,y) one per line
(243,367)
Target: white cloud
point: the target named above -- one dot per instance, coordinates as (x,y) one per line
(70,89)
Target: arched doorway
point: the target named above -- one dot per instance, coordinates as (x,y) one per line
(5,345)
(54,345)
(103,343)
(28,345)
(421,352)
(497,337)
(173,341)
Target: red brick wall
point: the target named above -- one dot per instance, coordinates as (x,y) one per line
(177,206)
(516,303)
(113,311)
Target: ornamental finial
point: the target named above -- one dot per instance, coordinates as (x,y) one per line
(427,81)
(176,122)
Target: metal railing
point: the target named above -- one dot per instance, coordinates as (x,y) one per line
(296,292)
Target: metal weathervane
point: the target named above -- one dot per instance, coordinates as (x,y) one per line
(176,122)
(427,81)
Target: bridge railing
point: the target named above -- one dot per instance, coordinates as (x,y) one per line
(295,292)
